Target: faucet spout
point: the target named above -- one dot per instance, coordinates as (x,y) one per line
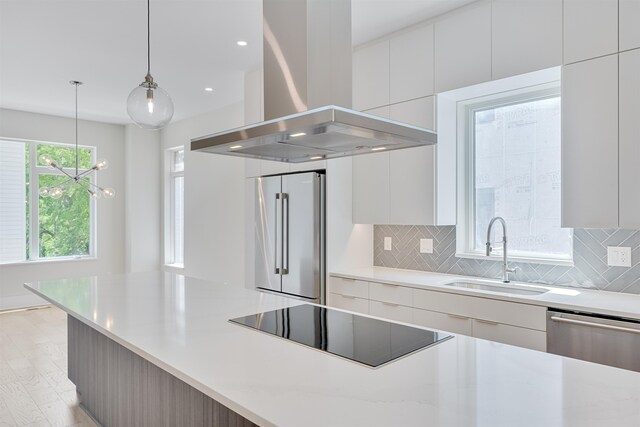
(505,260)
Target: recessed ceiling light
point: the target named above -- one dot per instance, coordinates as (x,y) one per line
(208,89)
(235,147)
(316,157)
(241,43)
(378,148)
(293,135)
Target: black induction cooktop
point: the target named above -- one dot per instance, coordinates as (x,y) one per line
(362,339)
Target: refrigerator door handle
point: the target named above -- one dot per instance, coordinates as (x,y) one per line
(285,231)
(275,234)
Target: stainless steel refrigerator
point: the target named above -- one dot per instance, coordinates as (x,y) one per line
(290,235)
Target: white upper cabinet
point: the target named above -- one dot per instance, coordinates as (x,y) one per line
(411,64)
(526,36)
(412,171)
(630,139)
(371,189)
(590,143)
(590,29)
(371,76)
(370,183)
(463,48)
(629,24)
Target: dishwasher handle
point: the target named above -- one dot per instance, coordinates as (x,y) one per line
(595,325)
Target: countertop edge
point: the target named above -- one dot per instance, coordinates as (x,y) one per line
(241,410)
(538,300)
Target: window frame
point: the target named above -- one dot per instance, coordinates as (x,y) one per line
(33,207)
(169,208)
(466,227)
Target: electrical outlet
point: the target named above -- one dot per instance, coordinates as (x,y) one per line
(426,246)
(387,243)
(618,256)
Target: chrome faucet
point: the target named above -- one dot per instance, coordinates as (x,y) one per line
(505,266)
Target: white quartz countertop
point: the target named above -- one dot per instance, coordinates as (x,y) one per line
(587,300)
(181,325)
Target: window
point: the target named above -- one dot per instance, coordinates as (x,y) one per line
(511,168)
(38,228)
(174,212)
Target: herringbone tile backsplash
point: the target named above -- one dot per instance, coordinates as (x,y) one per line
(590,268)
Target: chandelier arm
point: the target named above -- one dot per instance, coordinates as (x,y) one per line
(87,172)
(65,182)
(63,171)
(95,186)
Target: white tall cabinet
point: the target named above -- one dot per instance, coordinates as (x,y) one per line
(630,138)
(590,143)
(629,21)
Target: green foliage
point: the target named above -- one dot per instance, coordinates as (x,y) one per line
(64,222)
(65,156)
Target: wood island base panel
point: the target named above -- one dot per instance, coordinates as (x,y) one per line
(119,388)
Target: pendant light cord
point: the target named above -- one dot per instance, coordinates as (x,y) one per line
(148,38)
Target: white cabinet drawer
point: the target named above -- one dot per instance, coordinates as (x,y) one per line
(513,335)
(349,287)
(524,315)
(444,322)
(391,293)
(358,305)
(391,311)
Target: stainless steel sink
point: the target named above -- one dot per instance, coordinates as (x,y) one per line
(504,289)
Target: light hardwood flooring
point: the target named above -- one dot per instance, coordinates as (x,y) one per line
(34,389)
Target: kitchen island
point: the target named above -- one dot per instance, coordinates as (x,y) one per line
(179,326)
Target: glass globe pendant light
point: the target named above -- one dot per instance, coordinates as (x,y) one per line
(79,178)
(148,104)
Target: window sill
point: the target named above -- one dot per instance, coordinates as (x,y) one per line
(528,260)
(49,261)
(174,267)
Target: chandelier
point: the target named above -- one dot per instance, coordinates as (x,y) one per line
(78,178)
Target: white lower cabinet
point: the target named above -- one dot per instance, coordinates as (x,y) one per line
(391,311)
(357,305)
(522,325)
(508,334)
(444,322)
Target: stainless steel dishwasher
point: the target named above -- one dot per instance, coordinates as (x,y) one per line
(596,338)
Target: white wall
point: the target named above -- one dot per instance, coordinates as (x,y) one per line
(143,178)
(109,140)
(214,199)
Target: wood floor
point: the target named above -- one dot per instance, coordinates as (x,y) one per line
(34,389)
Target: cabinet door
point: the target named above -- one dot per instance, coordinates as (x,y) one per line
(371,76)
(412,193)
(630,139)
(269,167)
(518,44)
(629,24)
(463,48)
(444,322)
(411,64)
(370,184)
(357,305)
(590,29)
(590,143)
(391,311)
(507,334)
(371,189)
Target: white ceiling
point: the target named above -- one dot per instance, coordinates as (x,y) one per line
(44,44)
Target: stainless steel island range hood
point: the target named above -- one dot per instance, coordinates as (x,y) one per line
(307,93)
